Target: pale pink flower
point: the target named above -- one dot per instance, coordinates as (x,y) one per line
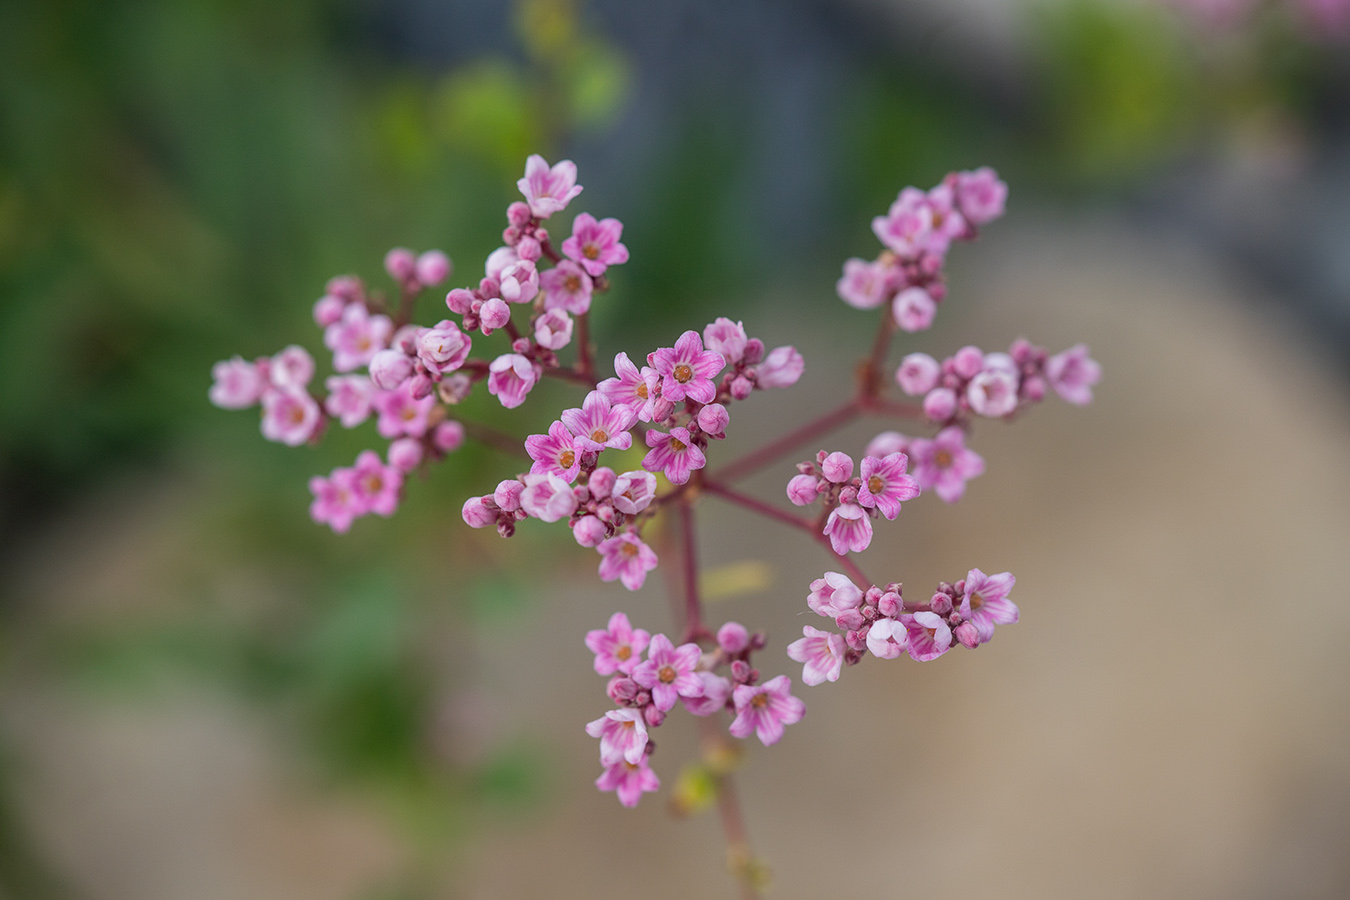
(400,413)
(1073,373)
(981,195)
(687,370)
(548,190)
(376,484)
(595,245)
(555,452)
(944,464)
(448,436)
(628,388)
(764,709)
(547,497)
(291,368)
(993,393)
(668,672)
(948,223)
(837,467)
(599,425)
(443,348)
(289,416)
(401,264)
(887,639)
(336,501)
(633,492)
(833,594)
(432,268)
(716,692)
(906,227)
(913,309)
(237,384)
(673,453)
(510,378)
(519,282)
(822,652)
(848,528)
(626,558)
(618,647)
(928,635)
(390,368)
(886,443)
(589,531)
(801,489)
(566,286)
(864,284)
(781,368)
(328,309)
(629,781)
(622,734)
(733,637)
(405,454)
(885,484)
(985,602)
(940,404)
(357,337)
(349,399)
(727,338)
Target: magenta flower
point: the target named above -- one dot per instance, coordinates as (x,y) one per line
(510,378)
(626,558)
(848,528)
(548,190)
(598,425)
(944,464)
(566,286)
(668,672)
(906,227)
(885,484)
(716,692)
(687,370)
(555,452)
(622,734)
(727,338)
(833,594)
(400,414)
(673,453)
(985,602)
(629,388)
(336,500)
(822,652)
(864,283)
(887,639)
(376,484)
(629,781)
(633,492)
(928,634)
(349,399)
(290,416)
(237,384)
(781,368)
(595,245)
(765,709)
(1073,373)
(618,647)
(547,497)
(981,195)
(357,337)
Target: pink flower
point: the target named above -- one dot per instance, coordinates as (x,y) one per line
(848,528)
(781,368)
(687,370)
(629,388)
(948,223)
(837,467)
(887,639)
(555,452)
(913,309)
(765,709)
(547,497)
(801,489)
(589,531)
(674,453)
(629,781)
(981,195)
(390,368)
(401,264)
(291,368)
(376,484)
(566,286)
(510,378)
(833,594)
(633,492)
(622,734)
(336,500)
(493,314)
(405,454)
(237,384)
(328,309)
(985,602)
(993,393)
(940,404)
(668,672)
(928,634)
(886,443)
(519,282)
(618,647)
(626,558)
(918,374)
(864,284)
(448,436)
(727,338)
(477,514)
(944,464)
(357,337)
(432,268)
(595,245)
(716,692)
(548,190)
(290,416)
(713,419)
(443,348)
(906,227)
(885,484)
(733,637)
(401,414)
(598,425)
(349,398)
(822,652)
(1073,373)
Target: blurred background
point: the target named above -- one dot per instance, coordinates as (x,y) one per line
(202,694)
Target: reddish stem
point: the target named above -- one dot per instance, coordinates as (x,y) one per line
(694,629)
(869,372)
(729,811)
(774,449)
(585,362)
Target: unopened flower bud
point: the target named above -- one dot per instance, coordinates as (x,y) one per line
(753,353)
(890,605)
(713,418)
(1033,388)
(401,264)
(448,436)
(454,388)
(801,489)
(837,467)
(528,248)
(740,671)
(759,640)
(733,638)
(405,454)
(605,512)
(390,368)
(939,405)
(506,528)
(507,494)
(850,619)
(642,698)
(518,213)
(328,309)
(918,374)
(420,386)
(652,716)
(601,482)
(967,634)
(589,531)
(493,314)
(520,345)
(940,604)
(741,387)
(622,689)
(460,300)
(476,514)
(432,268)
(968,361)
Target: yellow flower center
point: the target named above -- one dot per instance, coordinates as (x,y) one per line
(629,549)
(590,251)
(572,284)
(624,652)
(943,459)
(667,674)
(976,601)
(599,435)
(566,458)
(683,373)
(875,484)
(759,701)
(642,390)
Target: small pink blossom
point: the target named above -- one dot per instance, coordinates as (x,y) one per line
(628,388)
(555,452)
(633,492)
(885,484)
(432,268)
(887,639)
(906,227)
(599,425)
(944,464)
(622,734)
(733,637)
(336,501)
(833,594)
(567,286)
(328,309)
(448,436)
(519,282)
(848,528)
(589,531)
(376,484)
(510,378)
(618,647)
(948,223)
(940,404)
(981,195)
(781,368)
(837,467)
(390,368)
(673,453)
(291,368)
(716,692)
(405,454)
(477,514)
(864,285)
(764,709)
(548,189)
(349,399)
(237,384)
(918,374)
(993,393)
(727,338)
(822,652)
(928,635)
(401,264)
(1073,373)
(290,416)
(595,245)
(985,602)
(668,672)
(629,781)
(626,558)
(357,337)
(886,443)
(687,370)
(913,309)
(801,489)
(400,413)
(547,497)
(443,348)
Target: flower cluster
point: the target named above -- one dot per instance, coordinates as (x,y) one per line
(646,690)
(879,621)
(853,502)
(917,231)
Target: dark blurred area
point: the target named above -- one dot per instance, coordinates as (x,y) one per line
(178,179)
